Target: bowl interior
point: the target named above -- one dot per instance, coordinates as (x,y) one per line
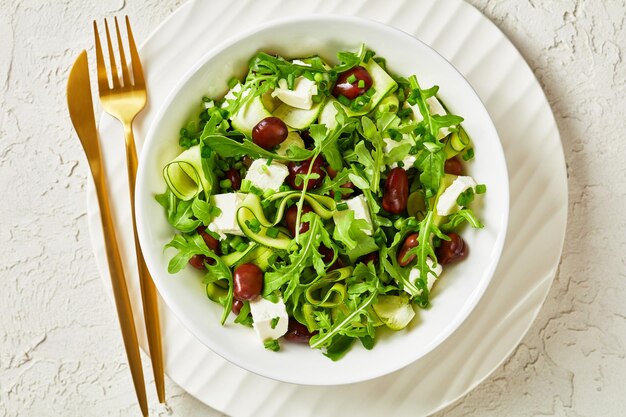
(454,296)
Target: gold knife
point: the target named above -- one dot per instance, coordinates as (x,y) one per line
(80,104)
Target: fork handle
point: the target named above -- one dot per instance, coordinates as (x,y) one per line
(148,290)
(120,290)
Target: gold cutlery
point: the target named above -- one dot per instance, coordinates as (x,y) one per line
(123,99)
(80,104)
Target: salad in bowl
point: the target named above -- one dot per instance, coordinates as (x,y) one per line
(318,202)
(314,196)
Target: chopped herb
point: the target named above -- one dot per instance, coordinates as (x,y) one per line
(272,345)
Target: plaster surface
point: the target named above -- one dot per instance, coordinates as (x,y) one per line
(60,348)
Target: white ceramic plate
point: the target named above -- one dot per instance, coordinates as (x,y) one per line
(455,295)
(538,190)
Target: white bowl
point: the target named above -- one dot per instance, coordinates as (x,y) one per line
(455,295)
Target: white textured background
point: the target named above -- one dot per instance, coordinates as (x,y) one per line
(60,348)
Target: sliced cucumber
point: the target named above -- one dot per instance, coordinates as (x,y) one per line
(261,257)
(327,116)
(251,113)
(293,138)
(238,257)
(185,176)
(389,103)
(322,205)
(251,211)
(297,118)
(269,102)
(395,311)
(216,293)
(456,143)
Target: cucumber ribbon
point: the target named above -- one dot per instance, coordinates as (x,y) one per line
(185,175)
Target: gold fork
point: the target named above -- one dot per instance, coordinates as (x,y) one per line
(124,100)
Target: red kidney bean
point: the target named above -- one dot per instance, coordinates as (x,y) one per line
(237,305)
(297,332)
(453,166)
(452,250)
(327,253)
(197,261)
(210,241)
(248,282)
(370,257)
(269,132)
(302,167)
(234,177)
(396,192)
(290,218)
(410,242)
(352,90)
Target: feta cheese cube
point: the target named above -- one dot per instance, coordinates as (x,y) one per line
(446,204)
(361,210)
(266,315)
(293,138)
(435,107)
(431,276)
(390,144)
(226,222)
(267,177)
(301,97)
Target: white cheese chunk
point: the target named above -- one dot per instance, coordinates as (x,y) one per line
(446,204)
(431,276)
(226,222)
(301,97)
(390,144)
(293,138)
(265,314)
(298,62)
(232,93)
(267,177)
(435,107)
(361,210)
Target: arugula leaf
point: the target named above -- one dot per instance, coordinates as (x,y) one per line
(179,213)
(339,346)
(359,181)
(456,219)
(202,210)
(188,246)
(227,147)
(373,135)
(299,260)
(431,165)
(350,232)
(324,337)
(244,317)
(217,270)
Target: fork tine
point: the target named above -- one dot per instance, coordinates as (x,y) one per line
(125,74)
(103,81)
(134,55)
(114,76)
